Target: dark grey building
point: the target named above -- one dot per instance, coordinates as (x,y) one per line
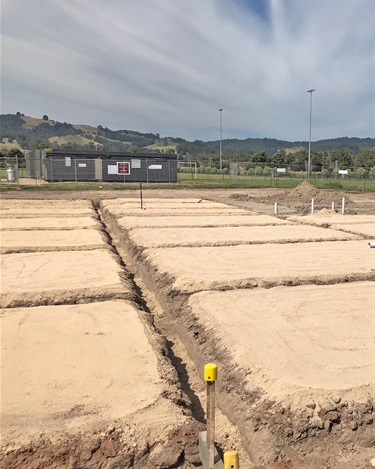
(61,165)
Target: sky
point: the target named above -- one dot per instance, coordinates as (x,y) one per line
(168,66)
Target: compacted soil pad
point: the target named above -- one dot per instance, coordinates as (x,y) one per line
(90,328)
(85,378)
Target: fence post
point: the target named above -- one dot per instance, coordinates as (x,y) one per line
(343,206)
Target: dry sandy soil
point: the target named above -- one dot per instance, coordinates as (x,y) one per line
(101,340)
(51,240)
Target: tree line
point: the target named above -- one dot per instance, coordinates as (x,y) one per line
(340,152)
(340,158)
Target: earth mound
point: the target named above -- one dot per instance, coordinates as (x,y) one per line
(324,212)
(300,198)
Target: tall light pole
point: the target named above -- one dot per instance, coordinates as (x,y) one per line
(221,139)
(309,158)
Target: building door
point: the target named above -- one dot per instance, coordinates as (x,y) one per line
(98,169)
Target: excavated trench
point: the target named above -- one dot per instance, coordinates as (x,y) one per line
(189,379)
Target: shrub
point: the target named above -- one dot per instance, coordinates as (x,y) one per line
(361,173)
(335,172)
(267,171)
(258,171)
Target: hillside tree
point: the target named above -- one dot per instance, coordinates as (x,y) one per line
(343,157)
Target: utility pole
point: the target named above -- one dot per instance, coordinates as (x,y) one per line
(221,139)
(309,158)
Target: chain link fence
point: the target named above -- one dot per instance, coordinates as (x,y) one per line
(77,169)
(235,170)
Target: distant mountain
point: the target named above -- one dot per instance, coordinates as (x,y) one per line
(270,145)
(20,131)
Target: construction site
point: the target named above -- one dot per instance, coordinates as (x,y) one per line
(112,303)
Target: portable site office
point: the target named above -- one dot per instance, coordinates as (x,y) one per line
(59,165)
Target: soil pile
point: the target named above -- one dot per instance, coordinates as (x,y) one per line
(324,212)
(300,198)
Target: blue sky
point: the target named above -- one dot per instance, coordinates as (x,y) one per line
(168,66)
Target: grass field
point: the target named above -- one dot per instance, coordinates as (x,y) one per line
(224,180)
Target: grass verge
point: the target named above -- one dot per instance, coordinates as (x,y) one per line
(219,182)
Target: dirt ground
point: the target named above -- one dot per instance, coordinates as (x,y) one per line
(121,319)
(232,235)
(97,334)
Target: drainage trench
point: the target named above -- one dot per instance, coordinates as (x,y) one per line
(192,386)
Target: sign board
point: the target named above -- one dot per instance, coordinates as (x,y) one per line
(68,161)
(112,169)
(343,171)
(136,164)
(155,166)
(281,170)
(123,167)
(81,165)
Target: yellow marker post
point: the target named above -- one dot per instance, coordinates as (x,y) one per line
(210,376)
(231,460)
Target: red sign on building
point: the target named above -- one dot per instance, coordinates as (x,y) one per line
(123,167)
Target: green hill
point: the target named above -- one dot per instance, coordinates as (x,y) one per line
(29,133)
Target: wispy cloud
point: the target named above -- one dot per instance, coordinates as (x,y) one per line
(167,66)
